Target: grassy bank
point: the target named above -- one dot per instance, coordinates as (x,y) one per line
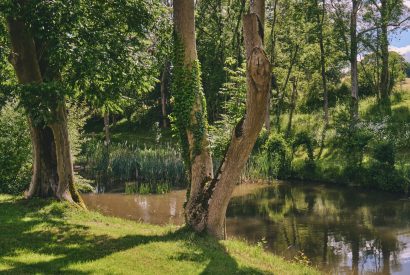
(43,237)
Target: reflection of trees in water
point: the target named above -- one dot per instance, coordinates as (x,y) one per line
(333,227)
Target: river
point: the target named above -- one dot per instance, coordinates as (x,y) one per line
(340,230)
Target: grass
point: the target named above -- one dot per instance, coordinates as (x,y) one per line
(44,237)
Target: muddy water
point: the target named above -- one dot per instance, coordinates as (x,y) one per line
(340,230)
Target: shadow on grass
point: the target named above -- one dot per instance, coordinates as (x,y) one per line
(39,228)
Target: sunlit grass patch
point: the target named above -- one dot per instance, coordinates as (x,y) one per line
(46,237)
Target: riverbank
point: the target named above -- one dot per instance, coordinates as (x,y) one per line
(40,236)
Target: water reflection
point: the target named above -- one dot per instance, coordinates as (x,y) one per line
(342,231)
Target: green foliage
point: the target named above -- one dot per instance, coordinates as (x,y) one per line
(41,100)
(15,148)
(78,113)
(234,94)
(369,73)
(277,152)
(351,139)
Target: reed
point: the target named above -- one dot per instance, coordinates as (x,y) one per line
(138,169)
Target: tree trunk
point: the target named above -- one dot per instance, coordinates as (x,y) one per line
(53,174)
(354,111)
(292,106)
(323,73)
(209,208)
(107,128)
(258,7)
(282,95)
(384,47)
(44,181)
(66,190)
(272,58)
(192,126)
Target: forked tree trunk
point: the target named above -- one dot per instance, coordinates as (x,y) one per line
(208,208)
(53,174)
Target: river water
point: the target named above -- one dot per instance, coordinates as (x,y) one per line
(339,230)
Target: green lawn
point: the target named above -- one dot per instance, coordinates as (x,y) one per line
(44,237)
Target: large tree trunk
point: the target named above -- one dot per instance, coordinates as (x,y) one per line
(258,7)
(208,208)
(193,124)
(53,174)
(44,181)
(353,61)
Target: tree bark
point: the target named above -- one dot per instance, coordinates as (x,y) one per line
(209,208)
(258,7)
(53,174)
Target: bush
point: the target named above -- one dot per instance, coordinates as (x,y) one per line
(278,155)
(15,148)
(351,140)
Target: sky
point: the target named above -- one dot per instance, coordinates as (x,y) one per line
(400,42)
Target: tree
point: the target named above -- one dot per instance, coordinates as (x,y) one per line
(353,60)
(209,196)
(52,164)
(93,50)
(383,17)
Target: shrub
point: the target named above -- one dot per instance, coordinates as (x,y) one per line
(278,155)
(15,148)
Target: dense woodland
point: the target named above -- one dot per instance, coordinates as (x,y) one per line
(145,96)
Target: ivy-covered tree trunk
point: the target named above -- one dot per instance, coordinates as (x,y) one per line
(209,197)
(53,174)
(190,107)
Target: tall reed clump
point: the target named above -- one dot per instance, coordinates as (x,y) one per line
(139,169)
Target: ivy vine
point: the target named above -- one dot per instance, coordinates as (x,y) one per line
(189,102)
